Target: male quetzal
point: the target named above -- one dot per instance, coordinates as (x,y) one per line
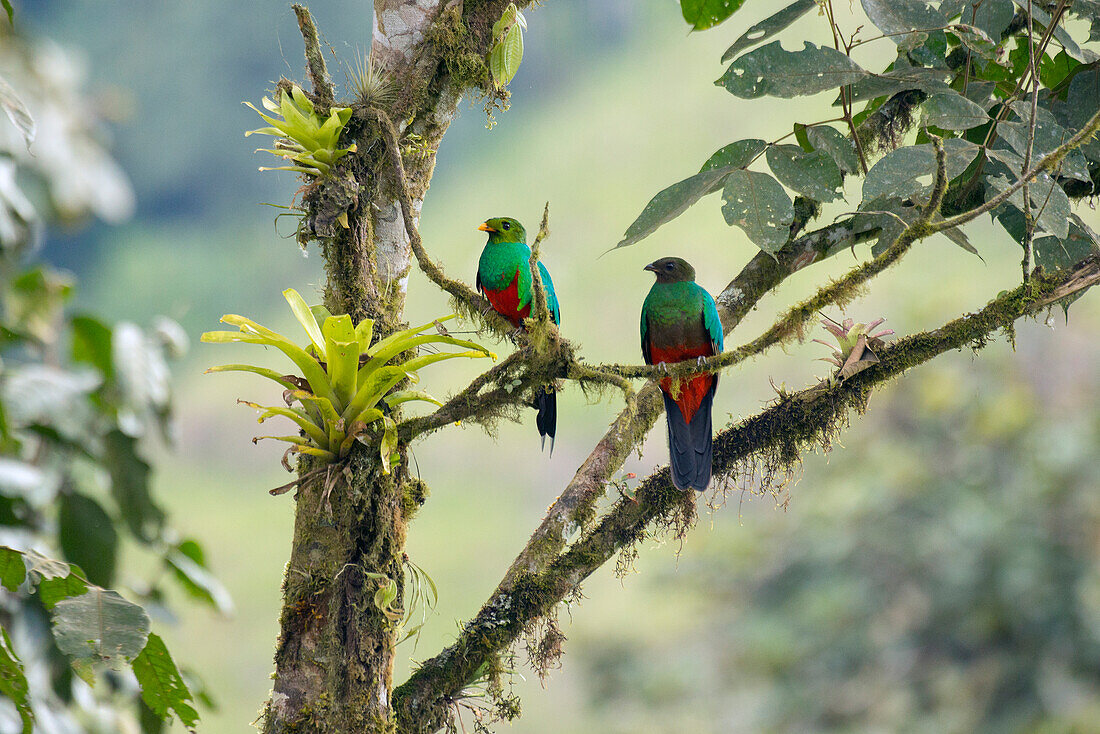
(504,276)
(680,322)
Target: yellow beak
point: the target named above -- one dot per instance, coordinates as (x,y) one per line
(484,227)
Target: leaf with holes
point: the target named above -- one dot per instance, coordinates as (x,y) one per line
(768,27)
(814,175)
(908,172)
(770,70)
(756,203)
(836,144)
(100,624)
(899,18)
(952,111)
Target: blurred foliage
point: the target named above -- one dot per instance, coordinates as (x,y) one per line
(944,580)
(80,402)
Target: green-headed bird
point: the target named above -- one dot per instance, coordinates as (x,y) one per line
(679,323)
(504,276)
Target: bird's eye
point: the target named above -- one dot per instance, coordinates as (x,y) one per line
(668,266)
(505,225)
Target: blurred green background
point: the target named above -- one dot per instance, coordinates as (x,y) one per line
(937,573)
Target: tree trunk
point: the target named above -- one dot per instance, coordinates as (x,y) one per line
(334,659)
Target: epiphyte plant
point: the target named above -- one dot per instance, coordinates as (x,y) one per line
(344,377)
(303,137)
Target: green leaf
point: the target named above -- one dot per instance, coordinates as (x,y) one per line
(768,27)
(100,624)
(1049,204)
(130,486)
(398,397)
(306,318)
(1049,136)
(952,111)
(13,681)
(342,358)
(756,203)
(814,175)
(975,39)
(299,417)
(735,155)
(376,385)
(1055,254)
(364,330)
(674,201)
(902,17)
(907,172)
(9,10)
(405,334)
(836,144)
(88,537)
(773,71)
(703,14)
(391,351)
(506,55)
(162,687)
(264,371)
(12,568)
(17,112)
(53,590)
(91,344)
(929,81)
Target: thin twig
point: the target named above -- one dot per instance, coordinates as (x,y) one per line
(315,60)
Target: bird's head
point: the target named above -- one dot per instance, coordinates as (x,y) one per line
(504,229)
(671,270)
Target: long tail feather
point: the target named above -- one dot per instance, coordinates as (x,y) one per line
(547,418)
(690,446)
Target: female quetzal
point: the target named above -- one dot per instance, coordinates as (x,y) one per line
(504,276)
(679,323)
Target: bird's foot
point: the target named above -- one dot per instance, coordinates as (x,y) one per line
(700,361)
(662,367)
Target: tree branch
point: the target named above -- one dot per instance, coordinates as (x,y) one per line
(315,60)
(776,437)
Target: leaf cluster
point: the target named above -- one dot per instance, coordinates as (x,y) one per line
(308,140)
(506,53)
(345,378)
(1002,90)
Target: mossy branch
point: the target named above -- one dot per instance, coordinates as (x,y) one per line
(323,90)
(777,436)
(540,311)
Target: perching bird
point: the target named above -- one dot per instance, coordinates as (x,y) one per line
(679,323)
(504,276)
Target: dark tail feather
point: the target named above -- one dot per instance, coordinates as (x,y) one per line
(690,446)
(547,419)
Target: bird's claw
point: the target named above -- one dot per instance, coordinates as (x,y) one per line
(700,361)
(662,367)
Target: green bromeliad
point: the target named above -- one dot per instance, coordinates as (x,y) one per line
(346,381)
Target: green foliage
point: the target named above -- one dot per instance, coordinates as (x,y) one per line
(345,377)
(961,72)
(162,687)
(506,53)
(703,14)
(303,137)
